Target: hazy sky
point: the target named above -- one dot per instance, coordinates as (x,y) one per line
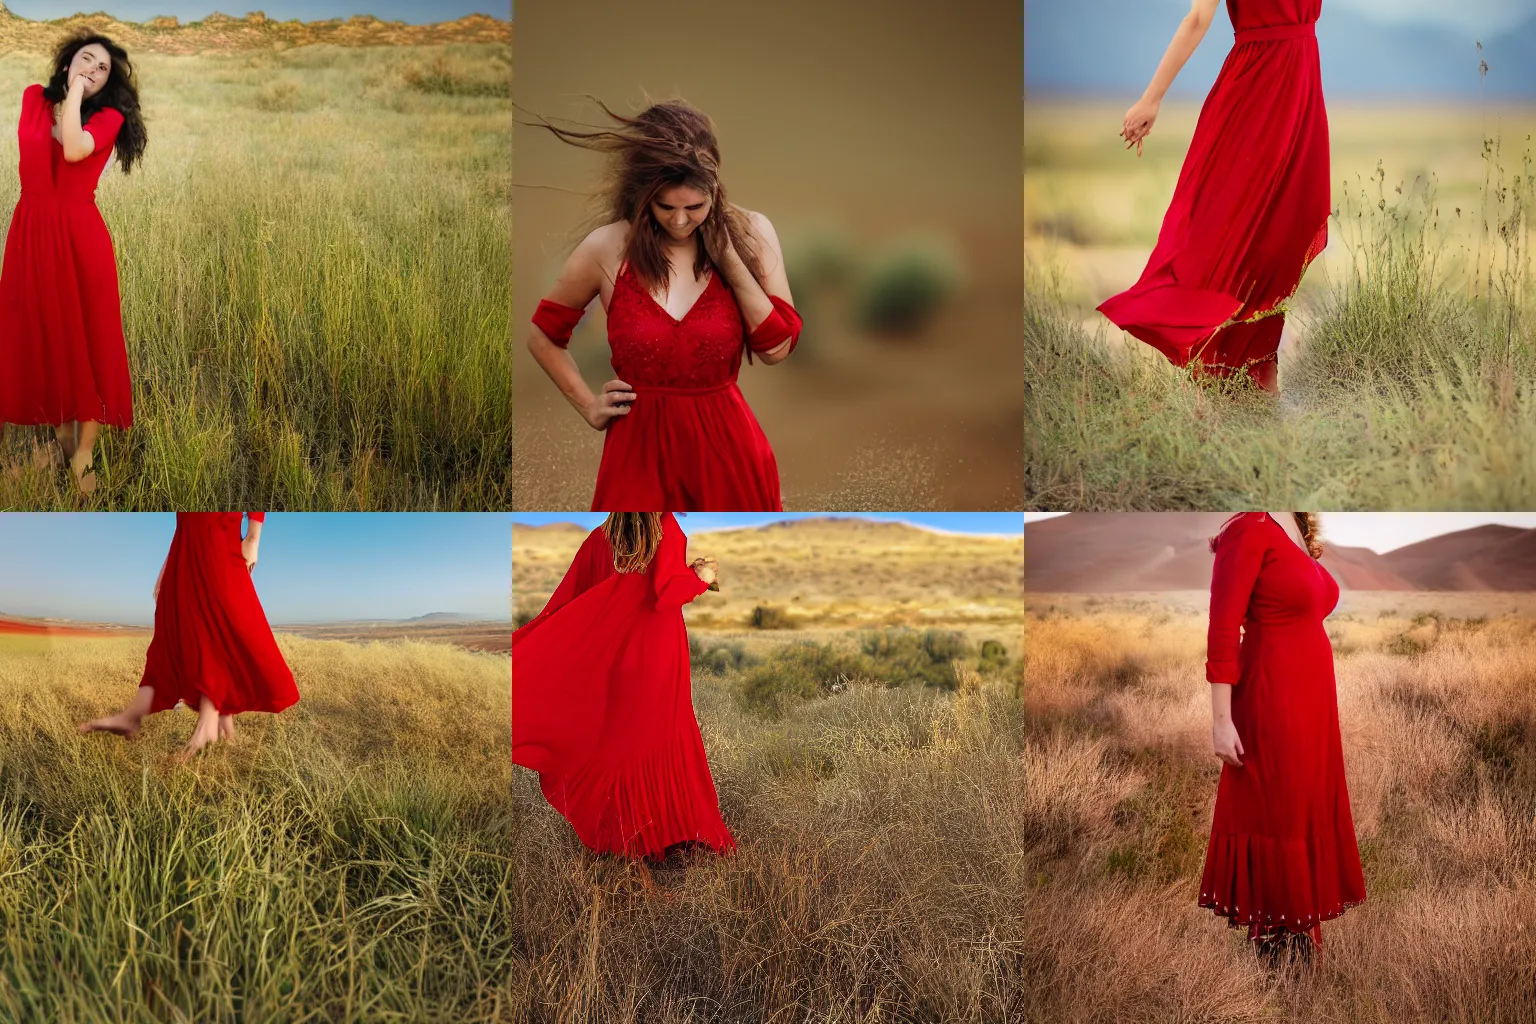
(700,522)
(415,11)
(1384,531)
(1471,15)
(314,566)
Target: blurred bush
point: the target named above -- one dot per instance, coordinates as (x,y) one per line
(718,659)
(903,290)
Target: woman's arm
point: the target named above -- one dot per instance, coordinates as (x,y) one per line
(751,294)
(579,283)
(1139,119)
(77,142)
(252,542)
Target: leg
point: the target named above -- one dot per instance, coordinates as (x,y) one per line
(207,730)
(81,461)
(226,727)
(126,722)
(68,435)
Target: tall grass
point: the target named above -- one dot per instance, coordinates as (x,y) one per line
(342,861)
(313,260)
(1412,384)
(877,878)
(1120,782)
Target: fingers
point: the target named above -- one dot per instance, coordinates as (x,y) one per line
(1237,742)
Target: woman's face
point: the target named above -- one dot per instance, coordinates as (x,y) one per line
(94,64)
(680,209)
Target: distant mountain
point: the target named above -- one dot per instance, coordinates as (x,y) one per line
(254,31)
(1116,552)
(1110,48)
(1491,557)
(444,617)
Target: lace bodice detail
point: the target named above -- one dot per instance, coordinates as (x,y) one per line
(703,349)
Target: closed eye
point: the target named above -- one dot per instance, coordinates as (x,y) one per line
(668,206)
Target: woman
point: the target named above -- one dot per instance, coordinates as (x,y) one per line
(212,647)
(1282,857)
(688,281)
(602,704)
(63,360)
(1250,211)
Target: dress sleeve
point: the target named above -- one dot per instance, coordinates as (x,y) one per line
(103,126)
(676,583)
(256,517)
(557,321)
(1240,550)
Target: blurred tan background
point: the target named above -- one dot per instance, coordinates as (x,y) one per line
(884,141)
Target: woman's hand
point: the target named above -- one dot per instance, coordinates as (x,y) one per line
(76,88)
(248,549)
(1226,743)
(707,569)
(608,405)
(1138,122)
(717,240)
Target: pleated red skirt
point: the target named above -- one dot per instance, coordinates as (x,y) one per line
(211,634)
(602,705)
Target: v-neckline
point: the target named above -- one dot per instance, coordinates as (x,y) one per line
(1288,536)
(678,321)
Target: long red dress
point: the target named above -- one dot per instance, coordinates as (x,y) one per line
(1282,853)
(1250,210)
(689,442)
(62,353)
(602,704)
(211,635)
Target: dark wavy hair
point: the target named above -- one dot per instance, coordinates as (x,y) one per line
(121,92)
(667,143)
(1307,522)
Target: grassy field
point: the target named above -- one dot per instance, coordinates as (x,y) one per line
(313,258)
(1408,370)
(1437,701)
(877,876)
(343,861)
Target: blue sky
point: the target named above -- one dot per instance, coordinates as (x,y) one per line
(1384,531)
(314,566)
(1475,15)
(700,522)
(413,11)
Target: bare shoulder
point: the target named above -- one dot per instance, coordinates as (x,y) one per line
(761,226)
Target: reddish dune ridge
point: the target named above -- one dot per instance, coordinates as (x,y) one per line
(15,625)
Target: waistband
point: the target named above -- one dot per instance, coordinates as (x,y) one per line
(656,389)
(32,195)
(1306,30)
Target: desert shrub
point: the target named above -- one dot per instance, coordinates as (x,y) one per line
(278,96)
(718,659)
(447,75)
(798,673)
(899,655)
(769,617)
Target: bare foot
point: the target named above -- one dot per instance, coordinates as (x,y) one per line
(226,727)
(200,738)
(85,472)
(120,724)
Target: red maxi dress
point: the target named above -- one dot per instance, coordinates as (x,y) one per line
(689,442)
(1250,210)
(1282,853)
(602,704)
(62,353)
(211,635)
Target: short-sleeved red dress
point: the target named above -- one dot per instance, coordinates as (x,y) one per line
(62,353)
(1250,210)
(211,634)
(689,442)
(1282,853)
(602,704)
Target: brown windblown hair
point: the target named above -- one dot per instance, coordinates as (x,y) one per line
(634,538)
(1311,532)
(667,143)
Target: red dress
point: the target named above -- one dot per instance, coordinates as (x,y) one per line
(1250,210)
(62,354)
(602,704)
(1282,852)
(211,635)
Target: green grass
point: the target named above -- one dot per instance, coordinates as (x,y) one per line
(313,260)
(1413,385)
(343,861)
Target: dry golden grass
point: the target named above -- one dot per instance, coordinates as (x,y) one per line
(877,876)
(821,573)
(1437,701)
(342,861)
